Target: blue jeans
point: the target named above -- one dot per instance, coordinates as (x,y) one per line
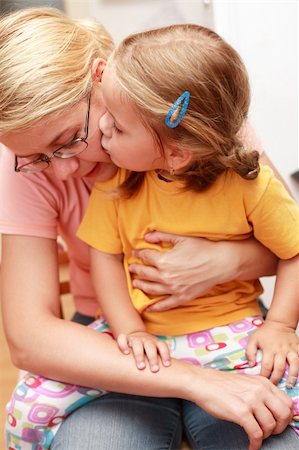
(122,422)
(127,422)
(205,432)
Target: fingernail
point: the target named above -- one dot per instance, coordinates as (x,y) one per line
(141,365)
(155,368)
(291,382)
(167,363)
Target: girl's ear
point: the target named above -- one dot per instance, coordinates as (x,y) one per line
(178,158)
(97,69)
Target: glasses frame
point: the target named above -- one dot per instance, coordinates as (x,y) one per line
(47,159)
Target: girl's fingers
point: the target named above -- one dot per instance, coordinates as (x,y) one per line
(293,360)
(164,353)
(122,342)
(151,350)
(136,345)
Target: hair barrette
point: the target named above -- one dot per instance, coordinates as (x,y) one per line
(183,102)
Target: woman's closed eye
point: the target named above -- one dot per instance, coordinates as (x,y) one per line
(30,158)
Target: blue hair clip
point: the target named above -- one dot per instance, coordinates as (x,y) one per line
(182,101)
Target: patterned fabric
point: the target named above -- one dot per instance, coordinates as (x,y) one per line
(39,405)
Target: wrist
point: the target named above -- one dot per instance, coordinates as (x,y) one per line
(190,383)
(280,324)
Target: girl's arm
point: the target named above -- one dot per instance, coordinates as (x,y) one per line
(110,284)
(125,322)
(277,337)
(43,343)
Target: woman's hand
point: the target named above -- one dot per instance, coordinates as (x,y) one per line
(195,265)
(252,402)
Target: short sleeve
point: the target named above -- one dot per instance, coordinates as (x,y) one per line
(99,227)
(274,215)
(28,205)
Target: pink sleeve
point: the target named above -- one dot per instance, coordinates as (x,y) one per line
(249,138)
(28,202)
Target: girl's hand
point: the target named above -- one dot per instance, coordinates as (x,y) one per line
(145,346)
(280,345)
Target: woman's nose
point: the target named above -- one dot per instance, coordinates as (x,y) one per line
(105,124)
(64,168)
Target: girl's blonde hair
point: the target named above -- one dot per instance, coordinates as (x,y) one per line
(45,63)
(155,67)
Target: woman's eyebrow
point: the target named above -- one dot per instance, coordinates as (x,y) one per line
(25,156)
(59,136)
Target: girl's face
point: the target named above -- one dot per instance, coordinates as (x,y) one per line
(50,133)
(126,140)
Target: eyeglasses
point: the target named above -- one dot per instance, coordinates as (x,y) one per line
(43,161)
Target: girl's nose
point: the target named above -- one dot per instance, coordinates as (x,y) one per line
(106,124)
(64,168)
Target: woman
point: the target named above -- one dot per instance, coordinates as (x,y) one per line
(49,114)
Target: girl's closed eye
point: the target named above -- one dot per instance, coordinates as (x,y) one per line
(116,129)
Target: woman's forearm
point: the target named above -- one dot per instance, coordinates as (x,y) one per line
(80,355)
(252,260)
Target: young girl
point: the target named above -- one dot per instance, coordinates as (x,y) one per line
(173,116)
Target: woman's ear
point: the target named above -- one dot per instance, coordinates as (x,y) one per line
(178,158)
(97,69)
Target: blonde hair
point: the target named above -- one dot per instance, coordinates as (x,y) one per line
(45,63)
(155,67)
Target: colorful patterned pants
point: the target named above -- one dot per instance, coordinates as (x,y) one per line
(39,405)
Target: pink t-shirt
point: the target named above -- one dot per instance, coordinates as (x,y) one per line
(43,206)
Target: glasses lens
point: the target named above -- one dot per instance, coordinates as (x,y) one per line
(32,166)
(72,149)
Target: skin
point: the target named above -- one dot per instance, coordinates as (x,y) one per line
(134,148)
(255,404)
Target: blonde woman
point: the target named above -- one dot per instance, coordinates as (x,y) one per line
(50,106)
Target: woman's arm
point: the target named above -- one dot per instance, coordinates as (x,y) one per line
(43,343)
(194,265)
